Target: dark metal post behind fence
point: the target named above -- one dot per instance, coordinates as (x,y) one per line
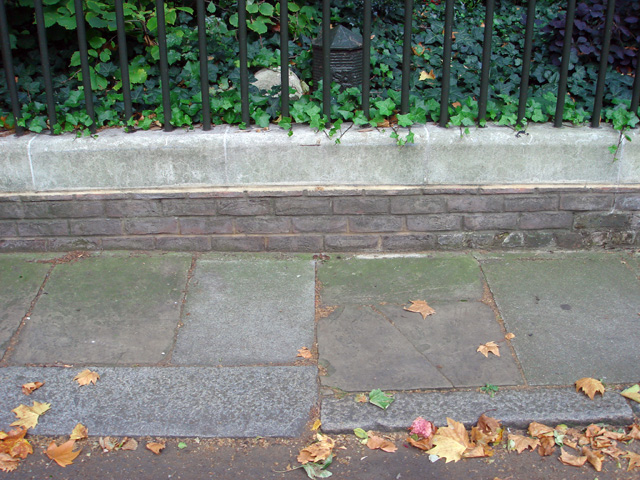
(526,60)
(7,59)
(446,63)
(284,57)
(564,67)
(244,69)
(486,62)
(604,62)
(44,61)
(326,59)
(635,97)
(124,61)
(84,64)
(164,65)
(406,56)
(366,58)
(204,69)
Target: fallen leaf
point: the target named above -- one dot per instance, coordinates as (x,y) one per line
(379,443)
(456,104)
(592,431)
(380,399)
(538,429)
(86,377)
(29,388)
(28,416)
(547,446)
(8,463)
(634,460)
(319,451)
(590,386)
(316,425)
(362,398)
(447,448)
(14,443)
(632,393)
(456,431)
(489,347)
(520,443)
(79,432)
(427,76)
(635,432)
(63,455)
(363,437)
(421,443)
(156,447)
(129,444)
(594,458)
(421,307)
(509,336)
(422,428)
(107,444)
(572,460)
(489,425)
(304,353)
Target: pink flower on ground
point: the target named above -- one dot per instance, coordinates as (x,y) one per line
(421,427)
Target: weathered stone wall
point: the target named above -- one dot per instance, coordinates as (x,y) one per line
(372,219)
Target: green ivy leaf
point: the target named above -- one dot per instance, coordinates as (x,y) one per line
(266,9)
(380,399)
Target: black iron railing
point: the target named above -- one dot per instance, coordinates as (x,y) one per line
(284,41)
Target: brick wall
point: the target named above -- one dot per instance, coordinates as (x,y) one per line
(316,220)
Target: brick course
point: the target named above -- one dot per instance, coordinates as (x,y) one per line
(327,219)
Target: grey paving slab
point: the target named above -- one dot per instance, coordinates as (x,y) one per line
(20,279)
(108,309)
(369,279)
(361,350)
(247,310)
(574,314)
(449,339)
(516,408)
(168,401)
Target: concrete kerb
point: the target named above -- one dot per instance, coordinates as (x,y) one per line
(226,156)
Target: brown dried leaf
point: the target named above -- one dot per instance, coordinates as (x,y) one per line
(86,377)
(547,446)
(362,398)
(422,443)
(478,452)
(421,307)
(156,447)
(379,443)
(79,432)
(635,432)
(538,429)
(593,431)
(63,455)
(129,444)
(521,443)
(8,463)
(594,458)
(107,444)
(29,388)
(572,460)
(489,347)
(634,460)
(317,451)
(8,440)
(590,386)
(621,437)
(509,336)
(28,416)
(304,353)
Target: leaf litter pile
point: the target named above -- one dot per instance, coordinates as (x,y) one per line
(15,447)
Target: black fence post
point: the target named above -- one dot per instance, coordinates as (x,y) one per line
(164,65)
(7,59)
(526,60)
(204,68)
(406,56)
(84,64)
(124,62)
(486,62)
(604,62)
(564,67)
(44,61)
(446,64)
(284,58)
(366,58)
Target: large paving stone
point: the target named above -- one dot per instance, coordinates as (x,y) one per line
(168,401)
(516,408)
(449,339)
(20,279)
(361,350)
(247,310)
(574,314)
(108,309)
(369,279)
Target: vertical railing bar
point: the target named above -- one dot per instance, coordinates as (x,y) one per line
(635,97)
(204,68)
(526,60)
(406,56)
(564,67)
(446,64)
(326,59)
(604,62)
(244,63)
(284,57)
(44,61)
(84,63)
(366,58)
(164,65)
(7,59)
(124,62)
(486,61)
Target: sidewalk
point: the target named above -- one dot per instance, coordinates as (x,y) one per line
(206,345)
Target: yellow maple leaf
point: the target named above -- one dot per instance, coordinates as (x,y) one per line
(489,347)
(427,76)
(28,416)
(590,386)
(29,388)
(632,393)
(79,432)
(572,460)
(447,448)
(421,307)
(634,460)
(86,377)
(63,454)
(156,447)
